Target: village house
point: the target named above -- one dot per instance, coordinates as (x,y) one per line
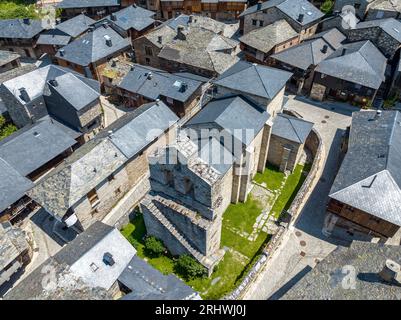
(133,85)
(222,10)
(9,60)
(15,254)
(385,34)
(259,44)
(52,40)
(26,156)
(95,9)
(303,58)
(64,94)
(89,54)
(108,168)
(287,141)
(20,36)
(300,14)
(354,72)
(99,264)
(179,48)
(132,21)
(366,192)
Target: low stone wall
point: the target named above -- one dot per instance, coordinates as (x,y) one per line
(315,145)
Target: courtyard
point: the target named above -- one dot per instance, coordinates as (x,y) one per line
(247,228)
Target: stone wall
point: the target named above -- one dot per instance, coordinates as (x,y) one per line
(140,54)
(276,153)
(90,113)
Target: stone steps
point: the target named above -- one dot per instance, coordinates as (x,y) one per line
(208,263)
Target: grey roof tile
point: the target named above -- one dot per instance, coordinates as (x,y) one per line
(16,28)
(369,178)
(362,63)
(254,79)
(133,17)
(7,57)
(266,38)
(291,8)
(92,46)
(291,128)
(390,25)
(66,4)
(76,25)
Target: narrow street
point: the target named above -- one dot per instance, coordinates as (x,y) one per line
(304,244)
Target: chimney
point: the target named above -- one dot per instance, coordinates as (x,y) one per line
(300,18)
(378,114)
(391,272)
(53,83)
(160,39)
(183,87)
(343,52)
(62,52)
(27,21)
(109,43)
(58,20)
(149,75)
(259,5)
(190,18)
(324,49)
(113,17)
(157,101)
(180,33)
(24,94)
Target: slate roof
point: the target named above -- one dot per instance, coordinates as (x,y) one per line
(36,82)
(76,25)
(390,25)
(54,37)
(291,8)
(161,83)
(291,128)
(12,185)
(34,145)
(362,63)
(310,52)
(386,5)
(148,283)
(369,178)
(74,266)
(266,38)
(100,157)
(325,281)
(67,4)
(133,17)
(92,46)
(7,57)
(16,28)
(234,114)
(12,244)
(254,79)
(202,48)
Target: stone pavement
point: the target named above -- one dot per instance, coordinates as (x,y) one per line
(110,111)
(304,244)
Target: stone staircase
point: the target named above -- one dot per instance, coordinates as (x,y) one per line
(208,261)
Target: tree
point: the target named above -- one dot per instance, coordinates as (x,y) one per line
(2,122)
(154,246)
(327,6)
(7,130)
(189,268)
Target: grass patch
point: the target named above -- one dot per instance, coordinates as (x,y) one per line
(12,9)
(293,184)
(271,177)
(242,216)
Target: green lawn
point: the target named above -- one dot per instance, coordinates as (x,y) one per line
(292,185)
(10,9)
(242,253)
(271,177)
(242,216)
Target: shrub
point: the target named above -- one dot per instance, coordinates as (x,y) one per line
(189,268)
(154,247)
(327,6)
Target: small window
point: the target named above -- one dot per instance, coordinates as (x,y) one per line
(147,61)
(118,191)
(254,22)
(148,51)
(111,177)
(93,197)
(261,23)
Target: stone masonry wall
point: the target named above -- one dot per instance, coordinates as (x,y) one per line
(276,149)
